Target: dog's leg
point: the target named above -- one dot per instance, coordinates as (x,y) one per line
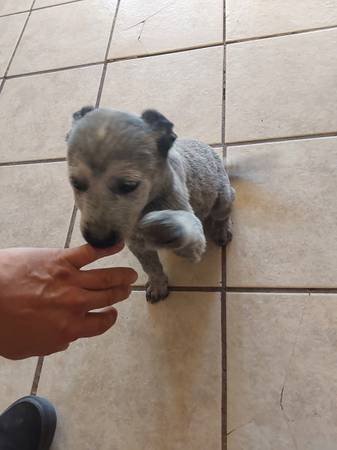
(180,231)
(157,285)
(219,223)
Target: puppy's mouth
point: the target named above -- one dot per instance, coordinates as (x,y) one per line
(110,240)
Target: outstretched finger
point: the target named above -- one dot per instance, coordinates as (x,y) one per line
(101,299)
(106,278)
(86,254)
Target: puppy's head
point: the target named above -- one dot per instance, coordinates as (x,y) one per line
(116,161)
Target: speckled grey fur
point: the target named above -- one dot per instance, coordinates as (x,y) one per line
(183,188)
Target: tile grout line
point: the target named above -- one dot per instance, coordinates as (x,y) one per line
(25,11)
(281,34)
(216,145)
(32,161)
(300,137)
(224,261)
(166,52)
(16,46)
(245,290)
(288,290)
(105,66)
(219,289)
(112,60)
(37,375)
(71,227)
(2,82)
(39,8)
(55,70)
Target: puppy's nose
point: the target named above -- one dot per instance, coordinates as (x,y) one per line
(101,241)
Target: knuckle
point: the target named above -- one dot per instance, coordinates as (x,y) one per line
(62,273)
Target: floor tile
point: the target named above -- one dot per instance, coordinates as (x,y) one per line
(158,26)
(180,272)
(14,6)
(310,387)
(169,83)
(284,215)
(16,378)
(44,119)
(281,371)
(266,96)
(167,398)
(11,28)
(36,204)
(254,18)
(258,324)
(75,33)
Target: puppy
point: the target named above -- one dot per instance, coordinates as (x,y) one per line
(133,180)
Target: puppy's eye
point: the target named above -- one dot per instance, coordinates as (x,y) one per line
(125,187)
(79,185)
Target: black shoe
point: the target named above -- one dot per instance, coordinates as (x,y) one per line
(28,424)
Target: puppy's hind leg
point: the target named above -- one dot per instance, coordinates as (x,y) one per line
(219,223)
(157,285)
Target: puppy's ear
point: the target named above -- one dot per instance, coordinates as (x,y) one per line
(162,127)
(78,115)
(82,112)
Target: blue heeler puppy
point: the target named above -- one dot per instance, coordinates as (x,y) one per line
(133,180)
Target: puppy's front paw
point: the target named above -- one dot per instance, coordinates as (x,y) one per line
(156,290)
(178,230)
(193,252)
(222,232)
(163,229)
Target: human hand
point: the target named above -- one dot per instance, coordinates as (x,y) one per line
(46,301)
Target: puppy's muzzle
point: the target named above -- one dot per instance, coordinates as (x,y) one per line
(101,241)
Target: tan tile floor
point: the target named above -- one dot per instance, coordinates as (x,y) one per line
(10,6)
(155,381)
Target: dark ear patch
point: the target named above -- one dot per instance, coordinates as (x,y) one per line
(162,127)
(79,115)
(82,112)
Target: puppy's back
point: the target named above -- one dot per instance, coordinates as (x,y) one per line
(204,171)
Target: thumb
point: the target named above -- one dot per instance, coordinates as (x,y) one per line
(85,254)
